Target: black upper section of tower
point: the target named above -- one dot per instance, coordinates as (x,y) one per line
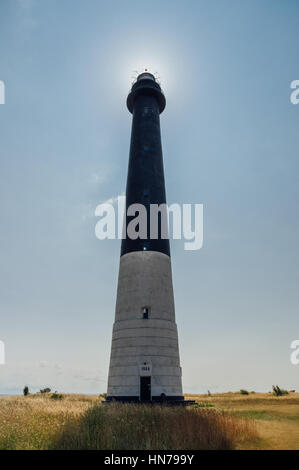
(145,181)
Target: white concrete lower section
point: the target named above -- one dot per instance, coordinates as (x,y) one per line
(145,280)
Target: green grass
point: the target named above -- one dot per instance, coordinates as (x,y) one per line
(276,418)
(255,414)
(203,405)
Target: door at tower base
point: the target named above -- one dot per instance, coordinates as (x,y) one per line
(144,361)
(145,389)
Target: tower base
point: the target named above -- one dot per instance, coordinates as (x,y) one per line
(136,399)
(168,401)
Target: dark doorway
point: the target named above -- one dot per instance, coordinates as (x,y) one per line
(145,388)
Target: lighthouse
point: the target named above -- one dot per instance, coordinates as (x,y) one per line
(144,360)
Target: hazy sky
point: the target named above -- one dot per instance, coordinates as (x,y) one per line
(230,142)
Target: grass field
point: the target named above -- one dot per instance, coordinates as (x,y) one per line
(276,418)
(234,421)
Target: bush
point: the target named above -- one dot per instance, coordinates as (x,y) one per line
(26,391)
(278,392)
(57,396)
(244,392)
(45,390)
(103,395)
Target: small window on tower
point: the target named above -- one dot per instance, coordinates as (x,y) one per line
(145,312)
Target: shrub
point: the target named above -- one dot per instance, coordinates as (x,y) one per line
(26,391)
(244,392)
(45,390)
(278,392)
(57,396)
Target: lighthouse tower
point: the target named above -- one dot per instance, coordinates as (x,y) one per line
(144,361)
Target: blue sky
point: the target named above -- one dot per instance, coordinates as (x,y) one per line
(230,142)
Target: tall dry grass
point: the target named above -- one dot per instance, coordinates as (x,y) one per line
(82,422)
(133,427)
(33,422)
